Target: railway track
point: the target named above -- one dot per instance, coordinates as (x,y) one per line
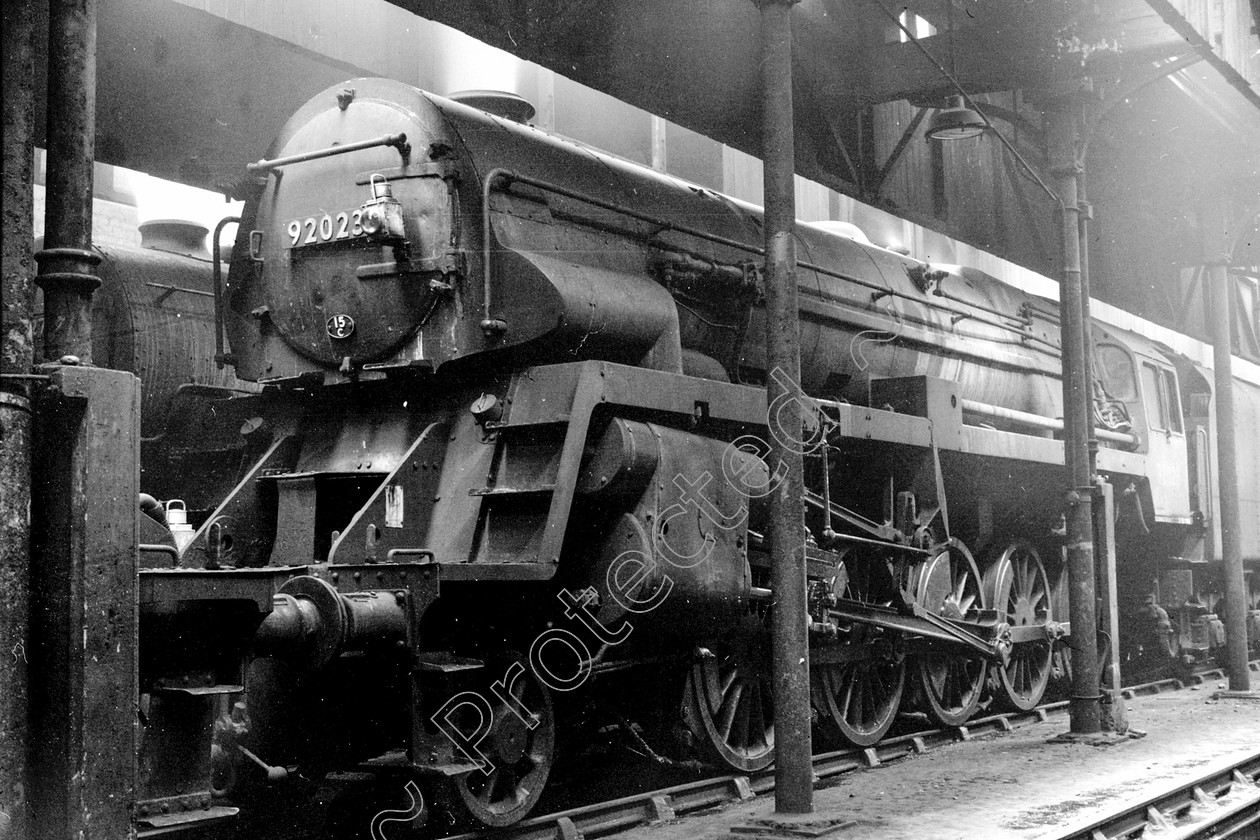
(1221,803)
(604,818)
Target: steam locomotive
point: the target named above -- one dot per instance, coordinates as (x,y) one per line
(504,477)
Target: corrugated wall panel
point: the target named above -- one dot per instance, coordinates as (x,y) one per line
(984,204)
(742,176)
(1227,25)
(813,200)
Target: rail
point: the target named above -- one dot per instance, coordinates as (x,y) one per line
(1222,802)
(605,818)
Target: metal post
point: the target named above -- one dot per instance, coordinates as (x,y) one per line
(1085,711)
(1082,231)
(794,781)
(1107,596)
(1219,293)
(1109,611)
(84,614)
(16,358)
(67,261)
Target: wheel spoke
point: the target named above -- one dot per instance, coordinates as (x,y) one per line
(728,710)
(487,787)
(729,680)
(848,698)
(957,672)
(865,703)
(738,736)
(756,720)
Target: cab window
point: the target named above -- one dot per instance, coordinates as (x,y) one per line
(1115,368)
(1163,408)
(1174,402)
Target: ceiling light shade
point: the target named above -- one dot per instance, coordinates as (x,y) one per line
(955,122)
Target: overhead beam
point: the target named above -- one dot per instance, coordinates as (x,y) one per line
(1168,12)
(895,155)
(983,62)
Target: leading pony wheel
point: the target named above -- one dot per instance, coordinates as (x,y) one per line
(521,753)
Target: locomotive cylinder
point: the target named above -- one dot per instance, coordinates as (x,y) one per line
(312,623)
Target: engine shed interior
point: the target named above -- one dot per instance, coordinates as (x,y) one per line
(720,382)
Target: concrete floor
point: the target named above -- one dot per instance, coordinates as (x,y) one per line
(1014,785)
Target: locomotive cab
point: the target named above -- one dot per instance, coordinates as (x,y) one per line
(1165,433)
(1135,382)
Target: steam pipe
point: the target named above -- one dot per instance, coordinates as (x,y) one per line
(1082,239)
(67,261)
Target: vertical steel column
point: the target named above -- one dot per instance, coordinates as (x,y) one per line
(1220,317)
(793,772)
(1077,429)
(16,358)
(1107,596)
(67,261)
(1108,607)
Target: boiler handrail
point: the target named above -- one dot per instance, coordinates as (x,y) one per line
(1037,421)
